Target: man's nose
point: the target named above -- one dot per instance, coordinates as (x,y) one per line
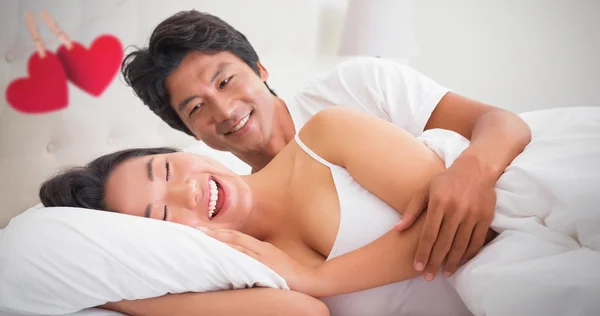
(223,110)
(183,193)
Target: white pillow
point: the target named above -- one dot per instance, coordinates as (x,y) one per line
(60,260)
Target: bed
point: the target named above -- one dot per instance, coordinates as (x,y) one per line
(33,146)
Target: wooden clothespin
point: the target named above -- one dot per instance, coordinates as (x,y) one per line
(39,44)
(62,36)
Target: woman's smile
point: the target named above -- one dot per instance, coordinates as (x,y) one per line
(191,190)
(216,197)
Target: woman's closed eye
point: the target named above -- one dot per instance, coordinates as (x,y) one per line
(167,175)
(168,170)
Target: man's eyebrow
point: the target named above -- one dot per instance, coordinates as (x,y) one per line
(149,169)
(222,67)
(148,210)
(183,103)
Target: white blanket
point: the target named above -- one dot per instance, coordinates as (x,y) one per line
(546,259)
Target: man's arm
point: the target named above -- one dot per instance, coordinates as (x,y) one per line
(248,302)
(497,136)
(461,200)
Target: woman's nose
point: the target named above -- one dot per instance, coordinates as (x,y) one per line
(183,193)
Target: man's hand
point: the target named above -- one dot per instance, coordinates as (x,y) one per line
(460,205)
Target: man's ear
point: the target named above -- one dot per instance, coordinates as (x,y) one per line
(262,71)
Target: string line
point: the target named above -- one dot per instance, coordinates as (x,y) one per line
(14,54)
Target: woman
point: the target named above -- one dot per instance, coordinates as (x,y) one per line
(327,203)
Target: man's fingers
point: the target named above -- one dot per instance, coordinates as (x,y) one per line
(477,240)
(441,247)
(429,235)
(461,241)
(415,207)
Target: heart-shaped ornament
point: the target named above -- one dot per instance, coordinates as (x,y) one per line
(93,69)
(45,90)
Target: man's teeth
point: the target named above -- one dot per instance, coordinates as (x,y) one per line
(214,196)
(240,124)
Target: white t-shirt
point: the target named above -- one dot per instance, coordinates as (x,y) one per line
(387,89)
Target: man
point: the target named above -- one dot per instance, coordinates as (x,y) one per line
(202,77)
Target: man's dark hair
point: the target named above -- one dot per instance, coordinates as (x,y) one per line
(145,70)
(85,186)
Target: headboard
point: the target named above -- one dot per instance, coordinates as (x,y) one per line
(35,146)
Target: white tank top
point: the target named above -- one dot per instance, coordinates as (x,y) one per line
(364,218)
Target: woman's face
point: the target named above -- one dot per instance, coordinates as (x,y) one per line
(182,188)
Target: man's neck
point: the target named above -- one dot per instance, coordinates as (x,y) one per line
(283,132)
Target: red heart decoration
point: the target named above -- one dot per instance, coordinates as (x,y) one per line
(45,90)
(92,70)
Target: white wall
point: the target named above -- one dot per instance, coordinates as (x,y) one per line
(517,54)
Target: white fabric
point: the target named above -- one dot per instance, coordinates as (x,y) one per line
(410,297)
(384,88)
(546,259)
(60,260)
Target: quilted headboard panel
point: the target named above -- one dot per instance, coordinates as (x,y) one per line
(34,146)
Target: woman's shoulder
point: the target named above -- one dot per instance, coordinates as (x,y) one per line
(331,129)
(329,120)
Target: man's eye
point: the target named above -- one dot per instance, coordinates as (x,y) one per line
(224,82)
(165,215)
(168,167)
(196,107)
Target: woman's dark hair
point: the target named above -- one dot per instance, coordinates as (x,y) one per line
(84,186)
(145,70)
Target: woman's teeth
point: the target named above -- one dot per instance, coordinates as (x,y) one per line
(214,196)
(240,124)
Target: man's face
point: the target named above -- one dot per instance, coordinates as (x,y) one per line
(223,101)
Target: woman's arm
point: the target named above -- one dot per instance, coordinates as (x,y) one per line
(247,302)
(386,260)
(390,163)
